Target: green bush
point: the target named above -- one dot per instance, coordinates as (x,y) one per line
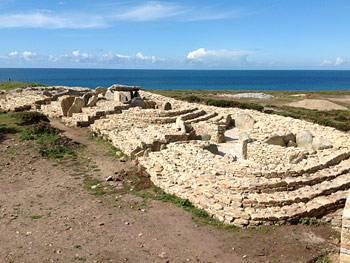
(44,128)
(31,117)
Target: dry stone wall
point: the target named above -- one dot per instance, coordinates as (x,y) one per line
(247,181)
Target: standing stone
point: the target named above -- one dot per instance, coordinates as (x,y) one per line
(122,96)
(136,95)
(180,124)
(304,139)
(109,95)
(66,103)
(244,122)
(240,149)
(77,106)
(220,138)
(92,101)
(100,90)
(228,121)
(167,106)
(87,96)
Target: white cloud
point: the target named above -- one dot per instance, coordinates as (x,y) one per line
(337,62)
(152,10)
(47,19)
(28,55)
(99,17)
(13,53)
(219,57)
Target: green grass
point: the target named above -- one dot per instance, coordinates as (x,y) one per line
(338,119)
(111,150)
(17,84)
(309,221)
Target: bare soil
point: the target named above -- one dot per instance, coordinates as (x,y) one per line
(47,214)
(314,104)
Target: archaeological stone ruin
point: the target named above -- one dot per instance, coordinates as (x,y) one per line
(243,167)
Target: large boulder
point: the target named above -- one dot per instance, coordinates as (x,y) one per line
(228,121)
(138,102)
(276,140)
(87,96)
(244,122)
(92,101)
(304,139)
(122,96)
(76,107)
(320,144)
(66,103)
(213,148)
(100,90)
(109,95)
(69,92)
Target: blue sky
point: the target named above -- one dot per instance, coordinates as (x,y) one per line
(221,34)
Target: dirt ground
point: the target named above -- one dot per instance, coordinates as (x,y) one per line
(48,215)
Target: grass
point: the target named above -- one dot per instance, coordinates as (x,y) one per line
(111,150)
(36,217)
(338,119)
(17,84)
(200,216)
(309,221)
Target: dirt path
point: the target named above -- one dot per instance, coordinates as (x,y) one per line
(46,215)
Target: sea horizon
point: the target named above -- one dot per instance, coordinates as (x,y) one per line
(186,79)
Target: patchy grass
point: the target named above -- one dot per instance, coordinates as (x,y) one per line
(338,119)
(111,150)
(309,221)
(36,217)
(17,84)
(200,216)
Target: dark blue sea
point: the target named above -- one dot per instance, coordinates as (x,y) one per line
(187,79)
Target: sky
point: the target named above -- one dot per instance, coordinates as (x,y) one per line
(198,34)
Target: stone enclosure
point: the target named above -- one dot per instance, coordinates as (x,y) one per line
(241,166)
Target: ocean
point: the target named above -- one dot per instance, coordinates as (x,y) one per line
(187,79)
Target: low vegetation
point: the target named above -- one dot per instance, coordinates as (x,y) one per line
(17,84)
(338,119)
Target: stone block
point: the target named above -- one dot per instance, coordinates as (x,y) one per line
(76,107)
(66,103)
(244,122)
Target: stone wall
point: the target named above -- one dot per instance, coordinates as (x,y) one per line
(345,234)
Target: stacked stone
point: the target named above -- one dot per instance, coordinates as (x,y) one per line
(345,234)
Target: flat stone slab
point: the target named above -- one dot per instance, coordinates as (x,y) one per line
(119,87)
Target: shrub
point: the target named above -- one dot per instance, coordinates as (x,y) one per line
(44,128)
(31,117)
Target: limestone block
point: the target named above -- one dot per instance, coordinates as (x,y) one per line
(276,140)
(92,101)
(228,120)
(240,149)
(87,96)
(304,139)
(66,103)
(109,95)
(122,96)
(76,107)
(244,122)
